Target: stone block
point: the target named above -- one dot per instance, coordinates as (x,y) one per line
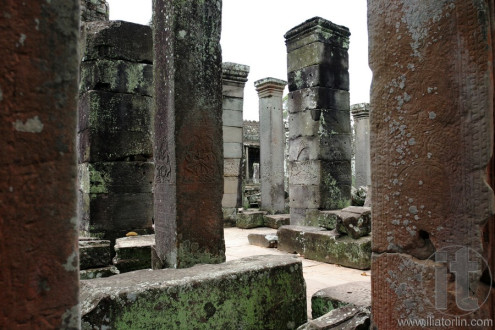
(336,147)
(319,122)
(305,196)
(229,216)
(328,299)
(94,253)
(231,185)
(230,200)
(250,219)
(355,221)
(231,167)
(92,273)
(276,221)
(117,77)
(318,98)
(111,216)
(334,58)
(133,253)
(232,134)
(263,240)
(327,246)
(233,89)
(323,75)
(232,103)
(292,238)
(244,293)
(116,177)
(349,317)
(119,40)
(298,216)
(232,150)
(324,219)
(232,118)
(314,172)
(114,126)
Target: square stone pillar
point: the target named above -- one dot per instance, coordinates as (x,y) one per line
(234,79)
(272,144)
(361,114)
(319,118)
(39,273)
(187,141)
(431,142)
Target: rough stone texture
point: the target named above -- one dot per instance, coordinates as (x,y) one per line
(187,144)
(272,144)
(355,293)
(234,77)
(432,131)
(326,246)
(118,40)
(263,240)
(133,253)
(319,120)
(361,114)
(94,10)
(276,221)
(354,221)
(38,226)
(324,219)
(240,294)
(250,219)
(94,253)
(349,317)
(92,273)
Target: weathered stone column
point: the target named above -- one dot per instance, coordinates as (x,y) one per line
(361,114)
(234,79)
(272,144)
(431,141)
(188,151)
(38,116)
(319,118)
(94,10)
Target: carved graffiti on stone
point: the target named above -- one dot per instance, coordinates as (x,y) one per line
(200,160)
(163,169)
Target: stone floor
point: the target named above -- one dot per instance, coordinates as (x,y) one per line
(318,275)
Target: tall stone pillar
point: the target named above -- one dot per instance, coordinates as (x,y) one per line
(319,118)
(94,10)
(38,116)
(431,142)
(188,153)
(234,79)
(272,144)
(361,114)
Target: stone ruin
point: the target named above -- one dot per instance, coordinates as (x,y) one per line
(431,159)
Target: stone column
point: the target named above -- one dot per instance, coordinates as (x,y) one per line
(94,10)
(431,141)
(319,118)
(38,116)
(361,114)
(272,144)
(188,151)
(234,79)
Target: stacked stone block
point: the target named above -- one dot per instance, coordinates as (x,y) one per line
(234,77)
(94,10)
(361,115)
(114,131)
(319,118)
(272,144)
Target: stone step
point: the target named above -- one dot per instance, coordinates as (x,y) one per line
(262,292)
(349,317)
(94,253)
(88,274)
(355,293)
(326,246)
(276,221)
(263,240)
(133,252)
(250,219)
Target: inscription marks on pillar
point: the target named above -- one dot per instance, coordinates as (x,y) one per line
(199,160)
(163,171)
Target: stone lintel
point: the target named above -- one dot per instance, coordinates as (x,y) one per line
(360,110)
(268,87)
(317,29)
(234,72)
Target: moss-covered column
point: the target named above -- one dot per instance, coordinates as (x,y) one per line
(38,113)
(272,142)
(188,151)
(319,118)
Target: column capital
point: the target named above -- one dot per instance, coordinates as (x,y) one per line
(360,110)
(317,29)
(235,72)
(268,87)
